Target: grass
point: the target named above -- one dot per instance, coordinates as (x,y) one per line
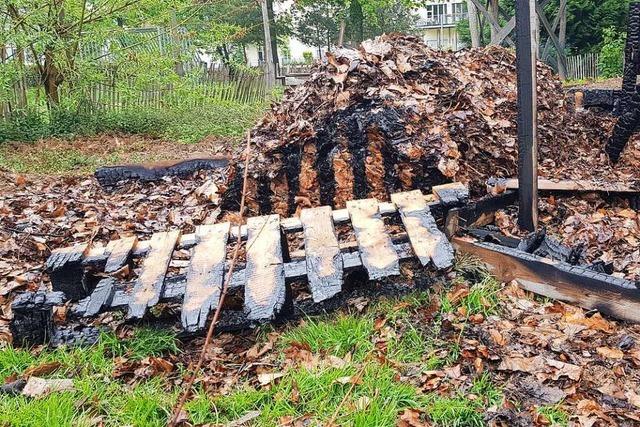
(313,391)
(554,415)
(228,121)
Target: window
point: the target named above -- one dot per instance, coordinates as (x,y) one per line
(458,11)
(435,13)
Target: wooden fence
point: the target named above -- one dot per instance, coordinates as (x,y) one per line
(582,67)
(213,84)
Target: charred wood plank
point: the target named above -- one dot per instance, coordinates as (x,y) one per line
(429,243)
(119,252)
(111,175)
(576,185)
(375,247)
(478,213)
(100,297)
(148,287)
(574,284)
(67,272)
(323,259)
(451,194)
(205,275)
(32,321)
(265,291)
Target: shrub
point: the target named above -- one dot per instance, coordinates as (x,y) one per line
(308,57)
(611,53)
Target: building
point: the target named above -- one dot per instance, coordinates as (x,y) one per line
(437,21)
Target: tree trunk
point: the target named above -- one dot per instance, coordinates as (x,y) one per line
(474,24)
(52,78)
(274,34)
(176,45)
(494,8)
(343,25)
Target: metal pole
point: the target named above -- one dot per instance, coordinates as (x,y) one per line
(527,114)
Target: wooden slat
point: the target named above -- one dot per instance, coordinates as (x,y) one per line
(119,252)
(375,246)
(558,280)
(100,296)
(265,291)
(322,253)
(577,185)
(205,275)
(148,287)
(429,243)
(450,194)
(60,258)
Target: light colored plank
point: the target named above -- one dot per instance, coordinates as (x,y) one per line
(429,243)
(576,185)
(119,252)
(205,275)
(323,259)
(375,246)
(450,194)
(148,287)
(265,291)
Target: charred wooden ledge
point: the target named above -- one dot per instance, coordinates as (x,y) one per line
(110,176)
(559,280)
(604,99)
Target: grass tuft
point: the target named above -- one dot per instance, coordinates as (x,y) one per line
(554,414)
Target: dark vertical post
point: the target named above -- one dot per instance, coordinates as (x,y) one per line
(527,114)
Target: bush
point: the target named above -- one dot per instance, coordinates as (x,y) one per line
(24,126)
(308,57)
(611,53)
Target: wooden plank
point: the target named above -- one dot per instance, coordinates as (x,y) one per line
(576,185)
(558,280)
(450,194)
(148,287)
(205,275)
(526,56)
(100,296)
(60,258)
(323,259)
(67,272)
(265,292)
(374,244)
(429,243)
(119,252)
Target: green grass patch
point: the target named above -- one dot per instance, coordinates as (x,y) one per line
(338,336)
(554,414)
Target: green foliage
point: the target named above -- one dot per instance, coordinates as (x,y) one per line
(308,57)
(554,414)
(144,342)
(611,53)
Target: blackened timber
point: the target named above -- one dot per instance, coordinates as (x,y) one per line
(478,213)
(293,159)
(578,285)
(429,243)
(451,194)
(100,297)
(205,275)
(357,141)
(32,321)
(110,175)
(326,149)
(374,244)
(66,271)
(148,287)
(264,195)
(265,291)
(323,258)
(119,252)
(526,52)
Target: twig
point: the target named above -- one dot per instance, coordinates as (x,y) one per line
(187,389)
(354,381)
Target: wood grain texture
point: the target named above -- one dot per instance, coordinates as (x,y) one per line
(205,275)
(451,194)
(61,258)
(148,287)
(119,252)
(573,284)
(100,297)
(577,185)
(429,243)
(322,253)
(265,291)
(374,244)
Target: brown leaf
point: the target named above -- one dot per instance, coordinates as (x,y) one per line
(610,353)
(42,369)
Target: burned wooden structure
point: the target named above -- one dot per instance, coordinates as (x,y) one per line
(366,237)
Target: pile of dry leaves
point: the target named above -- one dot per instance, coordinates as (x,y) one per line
(396,114)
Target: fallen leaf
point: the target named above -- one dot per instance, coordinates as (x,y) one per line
(40,387)
(42,369)
(610,353)
(268,378)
